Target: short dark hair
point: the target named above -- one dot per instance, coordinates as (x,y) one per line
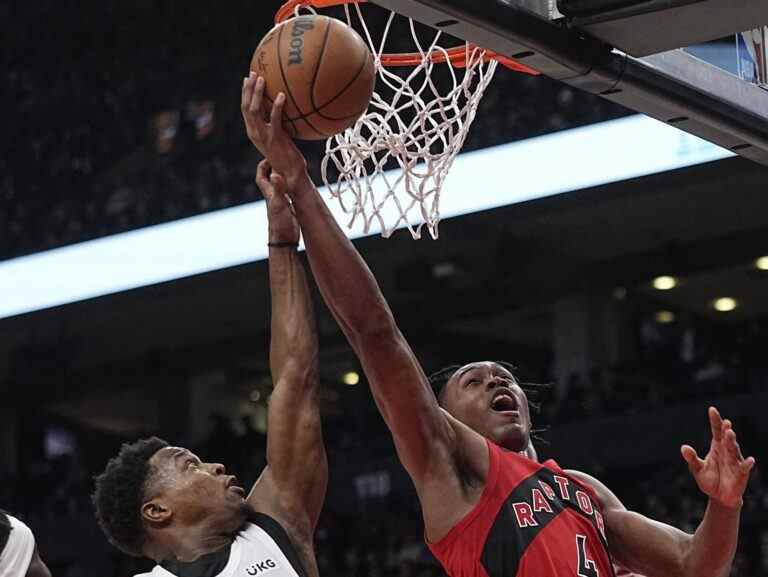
(120,491)
(5,530)
(439,379)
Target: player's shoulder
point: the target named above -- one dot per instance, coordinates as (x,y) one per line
(608,498)
(254,527)
(261,525)
(584,477)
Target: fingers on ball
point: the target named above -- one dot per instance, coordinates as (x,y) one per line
(246,96)
(277,109)
(258,94)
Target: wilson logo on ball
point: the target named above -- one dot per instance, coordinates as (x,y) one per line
(324,68)
(300,26)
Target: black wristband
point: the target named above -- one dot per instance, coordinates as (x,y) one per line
(283,244)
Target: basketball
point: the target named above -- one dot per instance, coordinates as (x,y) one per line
(325,70)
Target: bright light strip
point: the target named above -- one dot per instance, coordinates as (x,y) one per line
(526,170)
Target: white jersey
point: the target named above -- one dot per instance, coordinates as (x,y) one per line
(261,548)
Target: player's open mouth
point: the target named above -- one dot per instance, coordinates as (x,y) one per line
(504,402)
(233,485)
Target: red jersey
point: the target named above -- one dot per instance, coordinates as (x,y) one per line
(532,520)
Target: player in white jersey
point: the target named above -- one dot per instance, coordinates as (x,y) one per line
(18,551)
(162,502)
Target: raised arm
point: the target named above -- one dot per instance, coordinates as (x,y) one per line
(425,437)
(653,548)
(293,484)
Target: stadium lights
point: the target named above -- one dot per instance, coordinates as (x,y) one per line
(351,378)
(664,317)
(664,283)
(762,263)
(725,304)
(586,157)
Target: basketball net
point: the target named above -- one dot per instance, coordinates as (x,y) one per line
(392,164)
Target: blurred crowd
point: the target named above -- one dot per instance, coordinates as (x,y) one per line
(123,115)
(676,362)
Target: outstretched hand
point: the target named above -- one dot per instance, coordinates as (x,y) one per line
(724,472)
(283,227)
(270,138)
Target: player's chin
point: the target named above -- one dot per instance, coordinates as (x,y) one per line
(512,436)
(234,515)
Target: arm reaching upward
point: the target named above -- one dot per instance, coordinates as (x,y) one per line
(427,439)
(297,471)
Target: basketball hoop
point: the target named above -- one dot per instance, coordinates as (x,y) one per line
(393,162)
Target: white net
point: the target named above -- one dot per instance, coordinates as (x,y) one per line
(390,167)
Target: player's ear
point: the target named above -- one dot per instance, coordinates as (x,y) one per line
(156,511)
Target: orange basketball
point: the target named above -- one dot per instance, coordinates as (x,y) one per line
(325,70)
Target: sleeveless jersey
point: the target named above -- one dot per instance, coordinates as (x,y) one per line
(261,548)
(532,520)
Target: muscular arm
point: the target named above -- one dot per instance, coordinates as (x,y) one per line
(428,441)
(657,549)
(297,470)
(399,385)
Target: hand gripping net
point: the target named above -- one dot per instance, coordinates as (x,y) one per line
(390,167)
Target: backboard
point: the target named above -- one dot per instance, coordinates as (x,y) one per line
(744,55)
(629,52)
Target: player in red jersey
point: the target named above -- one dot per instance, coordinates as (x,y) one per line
(488,510)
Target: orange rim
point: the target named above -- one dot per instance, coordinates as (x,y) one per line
(456,55)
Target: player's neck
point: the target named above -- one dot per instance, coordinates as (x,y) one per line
(189,548)
(204,566)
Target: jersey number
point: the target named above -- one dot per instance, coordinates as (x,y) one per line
(587,567)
